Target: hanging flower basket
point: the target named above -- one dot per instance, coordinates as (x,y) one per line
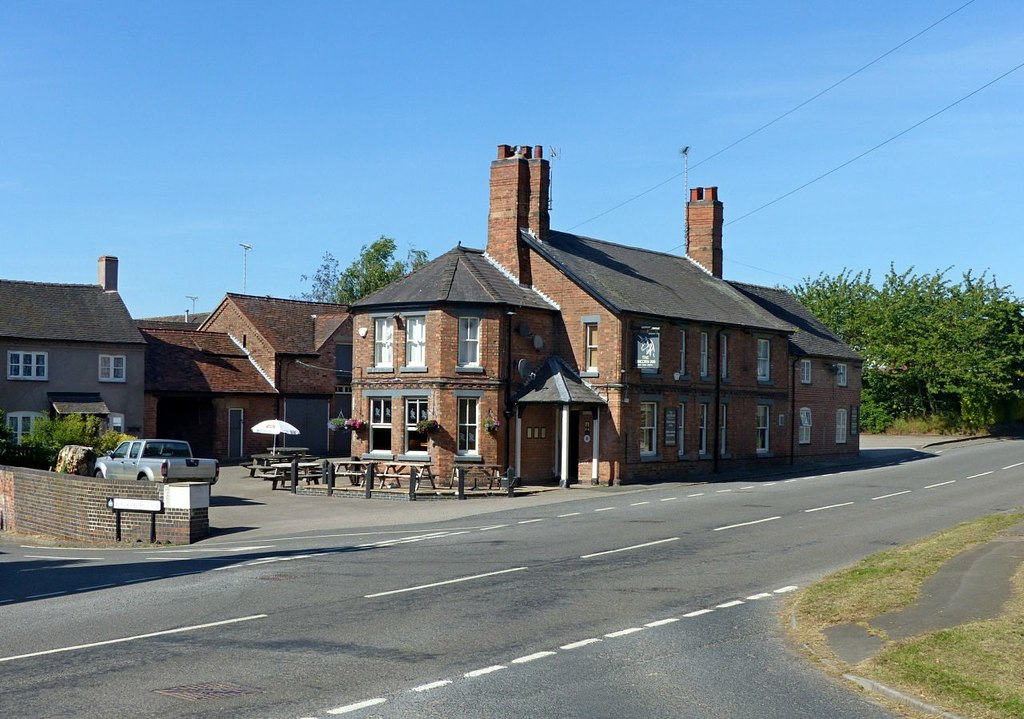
(428,426)
(492,425)
(354,423)
(337,423)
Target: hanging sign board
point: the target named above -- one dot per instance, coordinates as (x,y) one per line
(670,427)
(648,348)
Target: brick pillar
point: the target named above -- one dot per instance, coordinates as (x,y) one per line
(704,219)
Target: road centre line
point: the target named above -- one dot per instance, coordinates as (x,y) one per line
(533,657)
(122,640)
(357,706)
(722,491)
(698,494)
(761,595)
(624,632)
(940,484)
(570,514)
(531,521)
(667,499)
(432,685)
(1012,466)
(581,643)
(485,670)
(626,549)
(698,613)
(749,486)
(829,506)
(637,504)
(894,494)
(728,605)
(662,622)
(983,474)
(745,524)
(496,526)
(786,590)
(441,584)
(769,484)
(604,509)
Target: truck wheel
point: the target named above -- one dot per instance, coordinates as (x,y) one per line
(99,474)
(142,477)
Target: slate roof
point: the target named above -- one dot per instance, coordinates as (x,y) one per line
(78,402)
(192,361)
(289,325)
(171,322)
(812,337)
(555,382)
(461,275)
(64,312)
(631,279)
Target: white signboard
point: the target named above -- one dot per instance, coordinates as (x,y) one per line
(137,505)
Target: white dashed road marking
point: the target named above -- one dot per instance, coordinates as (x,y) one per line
(745,524)
(1012,466)
(975,476)
(532,657)
(829,506)
(485,670)
(432,685)
(441,584)
(940,484)
(662,622)
(626,549)
(894,494)
(356,707)
(762,595)
(624,632)
(728,605)
(582,643)
(698,613)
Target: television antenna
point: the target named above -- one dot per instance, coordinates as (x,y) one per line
(245,256)
(685,152)
(193,298)
(554,152)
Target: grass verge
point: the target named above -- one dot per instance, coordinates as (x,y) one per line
(975,669)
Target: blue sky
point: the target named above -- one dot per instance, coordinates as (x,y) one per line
(168,133)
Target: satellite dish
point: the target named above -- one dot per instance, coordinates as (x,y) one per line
(523,368)
(538,342)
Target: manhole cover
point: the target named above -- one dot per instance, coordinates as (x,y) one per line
(210,690)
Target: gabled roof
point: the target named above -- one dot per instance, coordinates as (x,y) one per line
(290,326)
(630,279)
(812,337)
(193,361)
(173,322)
(65,312)
(555,382)
(461,275)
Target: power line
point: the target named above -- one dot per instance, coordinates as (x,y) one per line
(780,117)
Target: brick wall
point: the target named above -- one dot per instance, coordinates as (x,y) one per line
(75,508)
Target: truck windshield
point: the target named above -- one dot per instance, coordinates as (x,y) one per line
(167,449)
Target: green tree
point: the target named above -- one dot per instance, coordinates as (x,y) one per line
(375,268)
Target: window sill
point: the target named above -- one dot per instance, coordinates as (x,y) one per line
(380,370)
(469,370)
(111,381)
(413,457)
(377,455)
(28,379)
(468,459)
(763,381)
(650,457)
(412,369)
(765,454)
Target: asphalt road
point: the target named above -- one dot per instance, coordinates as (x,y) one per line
(619,602)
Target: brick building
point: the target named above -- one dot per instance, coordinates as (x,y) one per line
(569,358)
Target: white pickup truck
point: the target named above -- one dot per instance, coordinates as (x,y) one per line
(158,460)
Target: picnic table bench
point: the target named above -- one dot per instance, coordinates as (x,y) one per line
(491,473)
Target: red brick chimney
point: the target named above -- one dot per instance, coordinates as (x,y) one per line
(704,229)
(519,199)
(107,273)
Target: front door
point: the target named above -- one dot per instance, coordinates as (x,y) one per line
(235,421)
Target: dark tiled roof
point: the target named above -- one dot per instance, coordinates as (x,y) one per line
(288,325)
(462,275)
(191,361)
(555,382)
(78,402)
(630,279)
(812,337)
(173,322)
(49,311)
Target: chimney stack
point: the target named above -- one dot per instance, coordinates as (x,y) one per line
(704,220)
(519,199)
(107,274)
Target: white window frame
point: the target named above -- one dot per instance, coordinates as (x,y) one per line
(115,421)
(468,429)
(841,425)
(703,354)
(681,429)
(386,408)
(416,341)
(469,342)
(110,371)
(383,342)
(21,423)
(764,360)
(723,427)
(805,371)
(723,356)
(764,422)
(682,352)
(648,429)
(590,346)
(842,375)
(37,371)
(422,412)
(806,423)
(702,415)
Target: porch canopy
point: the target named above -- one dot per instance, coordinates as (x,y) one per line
(78,403)
(556,383)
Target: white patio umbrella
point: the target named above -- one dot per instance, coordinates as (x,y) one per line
(275,427)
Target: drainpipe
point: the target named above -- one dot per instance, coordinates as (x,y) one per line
(717,429)
(793,423)
(509,314)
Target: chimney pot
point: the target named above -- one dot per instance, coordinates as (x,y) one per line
(107,273)
(527,153)
(504,152)
(538,152)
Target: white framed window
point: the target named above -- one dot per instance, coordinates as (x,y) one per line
(27,365)
(590,349)
(841,376)
(415,411)
(841,425)
(723,424)
(763,423)
(469,421)
(21,423)
(112,368)
(681,429)
(383,342)
(805,425)
(415,341)
(702,418)
(764,360)
(805,371)
(116,422)
(682,351)
(723,357)
(648,428)
(703,354)
(380,424)
(469,341)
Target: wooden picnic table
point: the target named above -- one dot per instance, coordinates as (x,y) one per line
(490,472)
(352,469)
(394,470)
